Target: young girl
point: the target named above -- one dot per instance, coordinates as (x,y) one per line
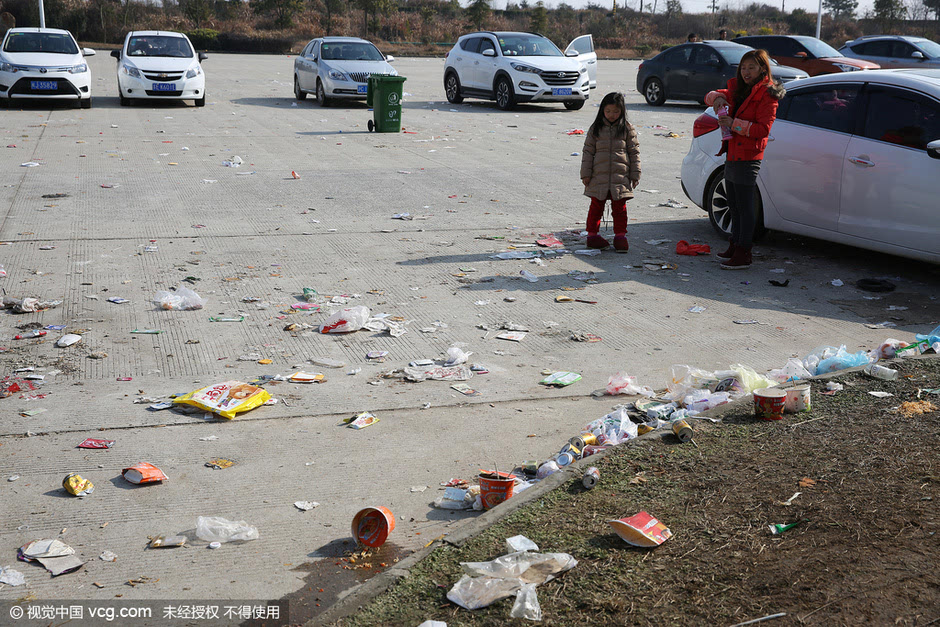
(610,170)
(751,98)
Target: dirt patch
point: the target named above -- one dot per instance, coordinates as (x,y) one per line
(865,551)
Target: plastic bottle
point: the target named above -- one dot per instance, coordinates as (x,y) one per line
(880,372)
(725,131)
(29,334)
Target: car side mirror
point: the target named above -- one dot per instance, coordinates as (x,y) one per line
(489,52)
(203,56)
(88,52)
(116,53)
(389,58)
(715,63)
(571,53)
(800,55)
(917,54)
(933,149)
(313,58)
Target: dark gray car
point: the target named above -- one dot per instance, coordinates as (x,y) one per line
(689,71)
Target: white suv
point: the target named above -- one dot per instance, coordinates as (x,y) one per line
(520,67)
(44,63)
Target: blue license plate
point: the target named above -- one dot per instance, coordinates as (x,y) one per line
(361,89)
(164,87)
(561,91)
(44,85)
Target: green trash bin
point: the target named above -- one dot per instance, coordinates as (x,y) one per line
(384,94)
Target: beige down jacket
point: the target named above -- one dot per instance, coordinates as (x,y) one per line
(611,162)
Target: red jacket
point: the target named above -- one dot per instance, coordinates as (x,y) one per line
(752,119)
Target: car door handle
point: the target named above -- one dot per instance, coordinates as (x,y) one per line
(592,62)
(862,160)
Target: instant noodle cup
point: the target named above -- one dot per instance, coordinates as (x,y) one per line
(143,473)
(371,526)
(75,485)
(226,399)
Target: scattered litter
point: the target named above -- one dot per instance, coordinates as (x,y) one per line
(465,389)
(117,300)
(778,528)
(219,463)
(182,299)
(588,252)
(307,377)
(226,399)
(508,575)
(142,473)
(306,506)
(75,485)
(585,337)
(656,242)
(361,421)
(96,444)
(11,577)
(561,379)
(685,248)
(672,203)
(779,283)
(167,542)
(68,340)
(696,309)
(512,336)
(214,529)
(346,320)
(879,394)
(909,409)
(745,321)
(232,319)
(514,254)
(528,276)
(641,530)
(837,283)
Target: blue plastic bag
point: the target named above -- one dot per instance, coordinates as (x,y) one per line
(842,360)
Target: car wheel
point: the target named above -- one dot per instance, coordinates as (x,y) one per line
(299,94)
(719,213)
(452,88)
(321,95)
(200,102)
(654,92)
(574,105)
(85,104)
(505,99)
(125,102)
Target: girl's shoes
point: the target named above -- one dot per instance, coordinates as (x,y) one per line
(740,260)
(620,244)
(728,254)
(598,242)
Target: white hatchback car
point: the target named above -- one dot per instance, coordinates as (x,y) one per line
(338,68)
(511,67)
(44,63)
(159,65)
(853,158)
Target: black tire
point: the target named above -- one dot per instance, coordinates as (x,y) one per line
(654,92)
(322,100)
(299,94)
(574,105)
(125,102)
(452,88)
(200,102)
(505,98)
(85,104)
(719,214)
(371,125)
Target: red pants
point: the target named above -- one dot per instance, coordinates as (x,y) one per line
(617,207)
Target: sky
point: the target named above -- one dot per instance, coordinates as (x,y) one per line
(693,6)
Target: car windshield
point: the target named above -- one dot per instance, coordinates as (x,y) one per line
(819,49)
(159,46)
(733,55)
(56,43)
(350,51)
(930,48)
(528,46)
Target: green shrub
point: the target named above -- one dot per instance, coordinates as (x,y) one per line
(204,38)
(765,30)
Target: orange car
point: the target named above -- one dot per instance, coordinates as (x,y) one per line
(809,54)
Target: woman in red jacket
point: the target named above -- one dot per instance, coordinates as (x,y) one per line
(751,99)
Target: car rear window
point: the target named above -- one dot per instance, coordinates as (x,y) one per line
(832,108)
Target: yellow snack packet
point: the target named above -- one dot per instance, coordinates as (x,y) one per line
(226,399)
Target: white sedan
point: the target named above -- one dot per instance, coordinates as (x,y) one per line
(852,158)
(337,68)
(159,65)
(44,63)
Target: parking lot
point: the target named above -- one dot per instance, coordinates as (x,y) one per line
(475,180)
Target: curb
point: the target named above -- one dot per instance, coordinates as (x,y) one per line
(356,598)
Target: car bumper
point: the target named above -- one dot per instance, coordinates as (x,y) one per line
(346,90)
(698,165)
(531,91)
(185,88)
(67,86)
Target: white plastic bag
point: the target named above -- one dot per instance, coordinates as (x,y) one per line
(520,543)
(703,400)
(622,383)
(750,380)
(346,320)
(472,593)
(182,299)
(215,529)
(433,623)
(456,355)
(527,604)
(615,426)
(791,372)
(685,378)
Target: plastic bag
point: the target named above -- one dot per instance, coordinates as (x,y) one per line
(841,360)
(685,378)
(346,320)
(793,370)
(616,427)
(520,543)
(215,529)
(750,380)
(524,565)
(472,593)
(183,299)
(527,604)
(456,355)
(703,400)
(226,399)
(433,623)
(622,383)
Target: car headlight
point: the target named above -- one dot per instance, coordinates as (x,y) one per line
(193,72)
(78,69)
(845,67)
(336,75)
(130,70)
(6,67)
(519,67)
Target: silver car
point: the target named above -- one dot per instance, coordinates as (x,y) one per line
(338,68)
(894,51)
